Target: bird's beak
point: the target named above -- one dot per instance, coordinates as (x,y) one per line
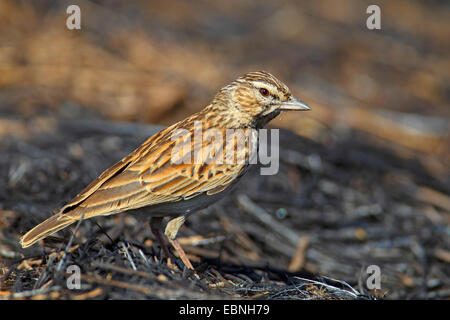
(294,105)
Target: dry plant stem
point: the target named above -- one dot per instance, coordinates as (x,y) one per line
(69,244)
(251,208)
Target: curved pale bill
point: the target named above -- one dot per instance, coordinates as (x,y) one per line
(294,104)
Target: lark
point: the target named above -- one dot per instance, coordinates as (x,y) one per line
(152,176)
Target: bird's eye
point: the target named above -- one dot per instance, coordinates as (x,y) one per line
(264,92)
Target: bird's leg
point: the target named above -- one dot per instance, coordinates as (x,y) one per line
(155,227)
(171,233)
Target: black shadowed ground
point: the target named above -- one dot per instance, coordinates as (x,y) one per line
(363,177)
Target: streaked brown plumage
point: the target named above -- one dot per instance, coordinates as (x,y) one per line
(149,177)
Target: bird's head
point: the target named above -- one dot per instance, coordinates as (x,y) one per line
(258,97)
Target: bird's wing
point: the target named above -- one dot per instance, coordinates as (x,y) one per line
(148,176)
(113,171)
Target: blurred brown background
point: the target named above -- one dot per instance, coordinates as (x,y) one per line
(159,61)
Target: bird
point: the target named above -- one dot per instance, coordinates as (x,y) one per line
(174,173)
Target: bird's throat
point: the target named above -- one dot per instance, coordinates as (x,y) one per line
(262,121)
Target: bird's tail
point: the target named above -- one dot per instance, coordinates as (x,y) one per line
(46,228)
